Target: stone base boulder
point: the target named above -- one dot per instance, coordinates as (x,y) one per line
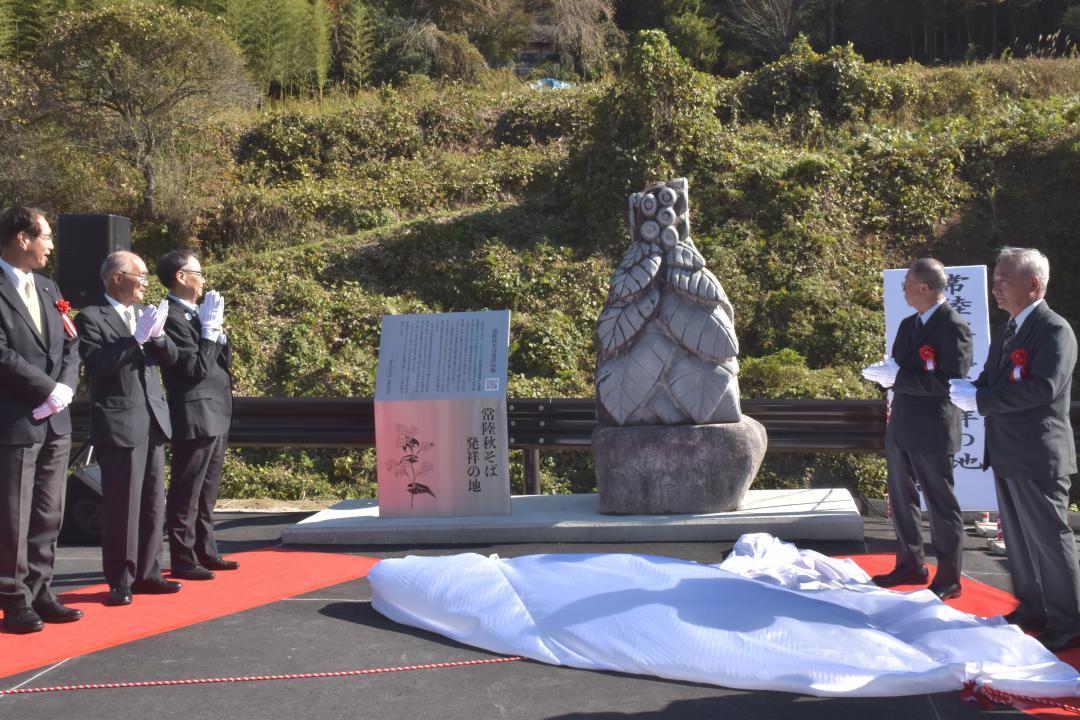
(665,469)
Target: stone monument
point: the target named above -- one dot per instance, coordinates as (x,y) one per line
(671,437)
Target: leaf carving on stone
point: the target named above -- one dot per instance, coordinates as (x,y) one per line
(707,392)
(619,324)
(639,267)
(686,256)
(664,410)
(705,331)
(624,382)
(700,285)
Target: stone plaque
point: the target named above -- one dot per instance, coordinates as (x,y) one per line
(440,415)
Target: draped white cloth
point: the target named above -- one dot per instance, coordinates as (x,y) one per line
(770,617)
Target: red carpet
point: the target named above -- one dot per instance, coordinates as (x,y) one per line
(977,599)
(265,576)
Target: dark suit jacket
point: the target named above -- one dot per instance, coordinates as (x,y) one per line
(200,383)
(125,389)
(32,364)
(921,418)
(1028,433)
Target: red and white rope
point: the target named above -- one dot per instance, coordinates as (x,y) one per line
(981,694)
(970,691)
(258,678)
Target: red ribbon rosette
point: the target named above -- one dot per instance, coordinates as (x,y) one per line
(1019,360)
(926,352)
(69,327)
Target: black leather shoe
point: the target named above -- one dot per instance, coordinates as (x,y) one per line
(219,563)
(192,573)
(902,577)
(155,586)
(118,596)
(22,620)
(946,592)
(1056,640)
(54,611)
(1025,619)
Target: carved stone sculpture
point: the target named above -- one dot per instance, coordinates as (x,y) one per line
(665,340)
(667,365)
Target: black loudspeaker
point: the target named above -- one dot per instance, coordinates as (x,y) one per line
(83,242)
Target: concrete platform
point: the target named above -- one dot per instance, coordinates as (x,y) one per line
(822,514)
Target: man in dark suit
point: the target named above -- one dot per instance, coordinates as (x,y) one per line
(1024,392)
(122,343)
(199,387)
(39,367)
(932,347)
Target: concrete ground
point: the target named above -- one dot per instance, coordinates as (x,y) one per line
(336,629)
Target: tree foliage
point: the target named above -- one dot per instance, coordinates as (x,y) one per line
(651,124)
(497,28)
(353,44)
(768,26)
(133,79)
(584,30)
(286,43)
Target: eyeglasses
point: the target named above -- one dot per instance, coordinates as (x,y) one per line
(192,272)
(143,279)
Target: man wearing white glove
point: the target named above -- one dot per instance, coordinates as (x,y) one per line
(1024,393)
(39,366)
(883,373)
(199,388)
(932,347)
(123,344)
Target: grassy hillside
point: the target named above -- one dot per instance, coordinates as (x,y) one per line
(807,177)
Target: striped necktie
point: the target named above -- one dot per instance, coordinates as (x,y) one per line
(1006,338)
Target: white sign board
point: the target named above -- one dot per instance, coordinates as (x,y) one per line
(967,294)
(440,415)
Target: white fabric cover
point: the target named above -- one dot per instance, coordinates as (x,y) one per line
(770,617)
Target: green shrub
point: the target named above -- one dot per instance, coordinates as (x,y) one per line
(654,123)
(838,85)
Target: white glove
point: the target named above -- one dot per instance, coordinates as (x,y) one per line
(212,314)
(206,307)
(217,319)
(962,395)
(63,394)
(144,326)
(43,410)
(883,373)
(162,315)
(60,397)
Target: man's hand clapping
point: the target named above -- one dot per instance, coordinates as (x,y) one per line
(212,311)
(162,312)
(144,326)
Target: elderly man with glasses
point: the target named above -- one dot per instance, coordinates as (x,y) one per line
(123,343)
(199,386)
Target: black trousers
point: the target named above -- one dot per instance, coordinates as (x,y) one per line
(934,474)
(193,491)
(133,505)
(1041,548)
(33,482)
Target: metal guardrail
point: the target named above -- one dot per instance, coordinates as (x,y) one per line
(557,423)
(535,424)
